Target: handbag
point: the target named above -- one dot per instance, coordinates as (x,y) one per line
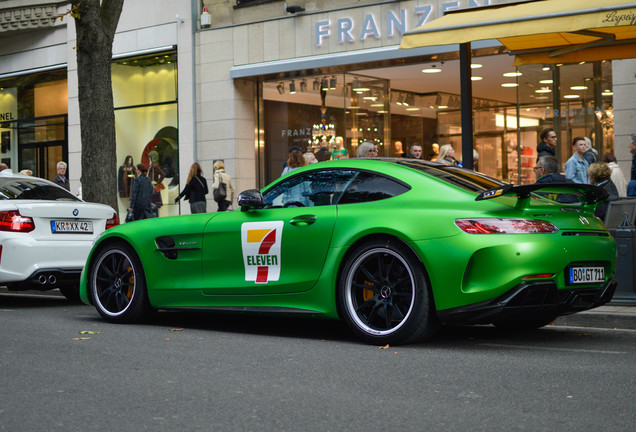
(220,193)
(130,216)
(159,187)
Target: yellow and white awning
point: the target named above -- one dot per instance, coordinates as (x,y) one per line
(543,31)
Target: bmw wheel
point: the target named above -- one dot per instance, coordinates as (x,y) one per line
(383,294)
(117,285)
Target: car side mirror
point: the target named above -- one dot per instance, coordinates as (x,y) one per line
(250,199)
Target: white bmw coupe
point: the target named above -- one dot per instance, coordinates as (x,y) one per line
(46,233)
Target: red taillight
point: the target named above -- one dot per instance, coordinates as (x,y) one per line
(112,222)
(14,222)
(505,226)
(539,276)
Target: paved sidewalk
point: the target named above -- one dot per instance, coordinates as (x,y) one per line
(610,316)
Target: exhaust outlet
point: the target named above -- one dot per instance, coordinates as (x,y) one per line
(52,279)
(42,279)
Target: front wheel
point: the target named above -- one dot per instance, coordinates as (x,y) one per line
(117,285)
(383,294)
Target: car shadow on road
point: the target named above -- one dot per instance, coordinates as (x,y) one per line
(31,299)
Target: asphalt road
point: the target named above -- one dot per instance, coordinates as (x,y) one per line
(217,372)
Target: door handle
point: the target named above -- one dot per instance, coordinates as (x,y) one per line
(304,220)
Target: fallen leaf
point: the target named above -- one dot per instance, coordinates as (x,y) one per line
(81,338)
(88,332)
(176,329)
(167,339)
(384,347)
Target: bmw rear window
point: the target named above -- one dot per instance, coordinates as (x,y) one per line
(466,179)
(33,189)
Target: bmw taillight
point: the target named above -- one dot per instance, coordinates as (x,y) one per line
(505,226)
(112,222)
(13,221)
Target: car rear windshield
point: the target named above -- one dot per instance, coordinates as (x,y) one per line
(464,178)
(33,189)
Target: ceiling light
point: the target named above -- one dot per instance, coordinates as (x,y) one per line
(292,87)
(280,87)
(546,68)
(325,84)
(607,93)
(580,87)
(359,88)
(510,85)
(476,78)
(546,81)
(332,83)
(475,66)
(442,106)
(543,90)
(512,74)
(432,69)
(413,109)
(571,96)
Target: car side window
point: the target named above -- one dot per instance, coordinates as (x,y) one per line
(368,186)
(309,189)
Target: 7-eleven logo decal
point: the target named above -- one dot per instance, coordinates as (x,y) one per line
(261,243)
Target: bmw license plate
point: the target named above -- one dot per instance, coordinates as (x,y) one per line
(587,275)
(64,227)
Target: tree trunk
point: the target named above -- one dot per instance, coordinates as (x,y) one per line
(95,26)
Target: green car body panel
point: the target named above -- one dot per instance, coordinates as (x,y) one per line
(462,269)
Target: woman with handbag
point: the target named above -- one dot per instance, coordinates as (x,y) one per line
(141,197)
(195,190)
(222,186)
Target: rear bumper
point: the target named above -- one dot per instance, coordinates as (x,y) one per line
(534,300)
(47,279)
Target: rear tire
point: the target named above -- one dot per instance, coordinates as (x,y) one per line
(117,285)
(383,294)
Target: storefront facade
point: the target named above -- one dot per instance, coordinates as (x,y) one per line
(250,79)
(39,123)
(287,69)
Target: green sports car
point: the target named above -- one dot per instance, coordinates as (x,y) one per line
(394,247)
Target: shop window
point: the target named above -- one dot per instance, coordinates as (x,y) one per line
(146,125)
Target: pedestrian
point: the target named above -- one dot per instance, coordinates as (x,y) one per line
(600,175)
(310,158)
(415,151)
(447,155)
(195,190)
(576,167)
(631,186)
(590,154)
(546,170)
(547,146)
(141,197)
(61,178)
(221,177)
(26,172)
(294,161)
(322,154)
(3,166)
(367,149)
(617,174)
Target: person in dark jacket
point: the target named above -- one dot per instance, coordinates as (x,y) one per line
(600,175)
(61,178)
(547,171)
(195,190)
(547,146)
(142,190)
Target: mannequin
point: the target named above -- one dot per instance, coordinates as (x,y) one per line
(339,151)
(398,151)
(126,177)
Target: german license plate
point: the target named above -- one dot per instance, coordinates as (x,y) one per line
(586,275)
(63,227)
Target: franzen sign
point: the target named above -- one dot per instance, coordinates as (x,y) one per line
(345,29)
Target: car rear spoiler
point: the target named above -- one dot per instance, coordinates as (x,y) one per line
(590,194)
